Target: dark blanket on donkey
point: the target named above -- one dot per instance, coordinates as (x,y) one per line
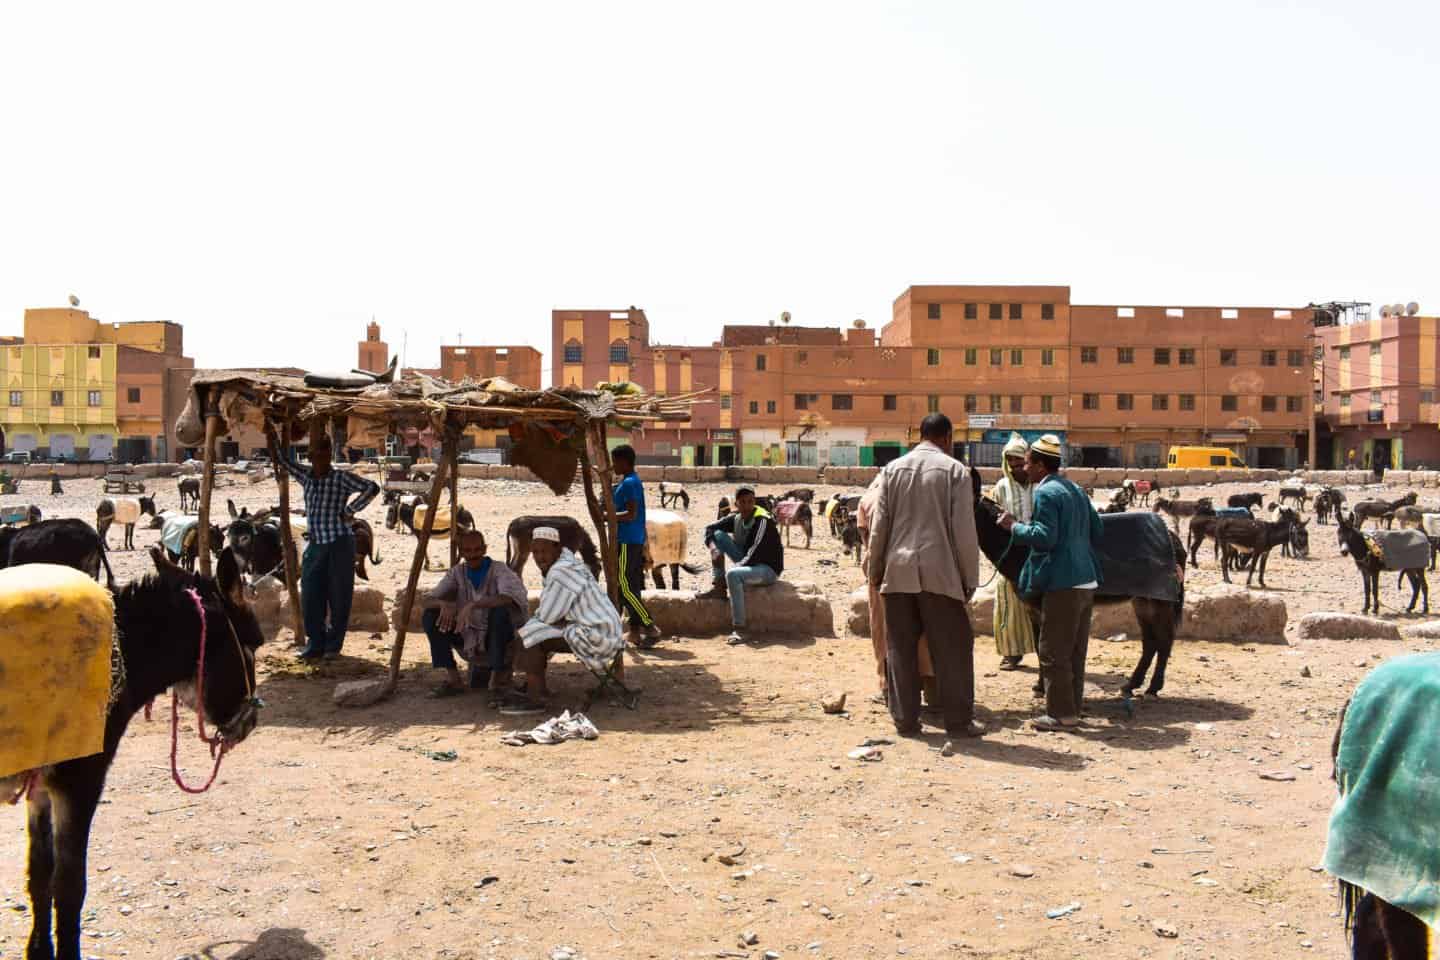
(1137,558)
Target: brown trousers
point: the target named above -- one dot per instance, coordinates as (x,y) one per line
(1064,644)
(945,622)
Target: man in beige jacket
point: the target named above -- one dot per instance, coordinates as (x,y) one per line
(925,561)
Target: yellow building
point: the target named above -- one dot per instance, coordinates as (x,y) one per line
(60,399)
(76,388)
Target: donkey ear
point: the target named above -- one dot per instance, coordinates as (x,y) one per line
(162,561)
(227,576)
(231,504)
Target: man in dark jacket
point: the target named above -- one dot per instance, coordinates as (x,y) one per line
(1064,569)
(751,540)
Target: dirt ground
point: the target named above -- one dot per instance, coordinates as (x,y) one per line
(332,834)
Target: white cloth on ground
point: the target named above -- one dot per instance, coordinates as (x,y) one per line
(567,726)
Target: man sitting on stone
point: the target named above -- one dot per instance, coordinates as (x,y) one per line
(575,614)
(750,539)
(474,610)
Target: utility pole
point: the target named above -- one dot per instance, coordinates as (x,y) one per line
(1310,403)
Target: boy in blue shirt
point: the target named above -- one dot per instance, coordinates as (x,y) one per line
(630,512)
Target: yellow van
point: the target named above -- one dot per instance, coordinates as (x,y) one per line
(1201,458)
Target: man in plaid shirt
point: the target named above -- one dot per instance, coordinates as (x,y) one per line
(327,571)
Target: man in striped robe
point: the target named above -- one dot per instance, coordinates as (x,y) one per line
(1014,623)
(575,614)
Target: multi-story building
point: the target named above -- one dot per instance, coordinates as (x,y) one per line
(1375,388)
(1119,384)
(81,389)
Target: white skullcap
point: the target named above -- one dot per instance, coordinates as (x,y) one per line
(545,533)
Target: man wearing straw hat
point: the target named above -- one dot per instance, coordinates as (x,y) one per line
(1065,570)
(1014,625)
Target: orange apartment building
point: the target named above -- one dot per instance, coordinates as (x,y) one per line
(1375,388)
(1119,384)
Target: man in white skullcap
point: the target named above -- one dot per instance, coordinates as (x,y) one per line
(1014,623)
(574,614)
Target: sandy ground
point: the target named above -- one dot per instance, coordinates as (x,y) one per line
(330,833)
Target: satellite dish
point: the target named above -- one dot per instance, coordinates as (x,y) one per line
(772,321)
(1412,308)
(785,316)
(74,300)
(1397,309)
(1384,309)
(858,324)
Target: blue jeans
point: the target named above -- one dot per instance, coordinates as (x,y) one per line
(759,575)
(327,584)
(499,634)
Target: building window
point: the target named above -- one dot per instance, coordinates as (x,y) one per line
(1047,358)
(996,356)
(92,398)
(1047,404)
(888,402)
(972,311)
(932,403)
(1292,404)
(1319,398)
(1015,313)
(769,406)
(1187,356)
(970,405)
(132,394)
(842,401)
(574,353)
(1375,399)
(1229,403)
(1089,354)
(994,403)
(1160,401)
(1319,352)
(1267,358)
(759,361)
(1294,358)
(1187,401)
(997,311)
(754,406)
(1017,405)
(17,398)
(932,311)
(1344,353)
(971,356)
(1344,399)
(1427,396)
(1162,356)
(93,352)
(932,357)
(803,400)
(1017,358)
(1268,404)
(725,401)
(1125,355)
(57,398)
(619,352)
(1047,311)
(1374,349)
(803,357)
(1091,401)
(1124,401)
(1227,358)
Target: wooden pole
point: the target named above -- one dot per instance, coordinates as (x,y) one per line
(604,537)
(287,536)
(207,478)
(452,456)
(422,544)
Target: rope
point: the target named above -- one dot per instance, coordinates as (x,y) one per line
(218,747)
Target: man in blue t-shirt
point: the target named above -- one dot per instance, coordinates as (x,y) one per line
(630,512)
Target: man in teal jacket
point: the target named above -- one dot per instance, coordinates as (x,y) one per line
(1064,570)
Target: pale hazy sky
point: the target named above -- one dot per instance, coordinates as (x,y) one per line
(272,174)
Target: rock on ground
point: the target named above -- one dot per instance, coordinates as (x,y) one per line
(1326,625)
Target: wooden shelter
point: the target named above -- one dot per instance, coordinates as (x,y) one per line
(554,432)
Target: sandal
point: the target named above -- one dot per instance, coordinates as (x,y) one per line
(522,707)
(1008,664)
(1052,724)
(445,690)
